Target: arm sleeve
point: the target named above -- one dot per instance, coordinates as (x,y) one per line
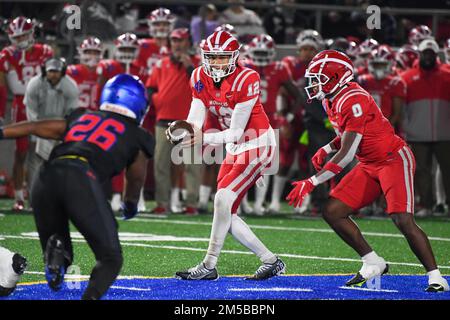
(239,119)
(197,113)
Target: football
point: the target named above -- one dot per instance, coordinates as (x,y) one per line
(178,130)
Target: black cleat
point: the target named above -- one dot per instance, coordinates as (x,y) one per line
(269,270)
(55,256)
(358,280)
(199,272)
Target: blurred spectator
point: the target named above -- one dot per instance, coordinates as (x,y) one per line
(183,17)
(275,23)
(246,22)
(172,72)
(51,94)
(425,123)
(336,24)
(204,23)
(127,20)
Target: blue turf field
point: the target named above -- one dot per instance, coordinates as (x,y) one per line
(392,287)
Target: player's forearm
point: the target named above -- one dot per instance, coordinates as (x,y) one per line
(340,160)
(46,129)
(135,179)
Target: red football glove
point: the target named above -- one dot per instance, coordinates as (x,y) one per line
(319,158)
(301,190)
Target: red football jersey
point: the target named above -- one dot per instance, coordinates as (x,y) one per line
(242,85)
(150,53)
(296,69)
(20,66)
(383,90)
(110,68)
(272,78)
(86,79)
(353,109)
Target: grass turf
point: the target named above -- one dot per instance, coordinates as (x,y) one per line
(305,244)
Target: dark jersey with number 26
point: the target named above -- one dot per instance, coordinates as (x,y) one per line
(109,141)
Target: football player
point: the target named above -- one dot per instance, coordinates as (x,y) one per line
(126,50)
(85,73)
(363,52)
(232,94)
(96,146)
(20,62)
(274,76)
(419,33)
(386,166)
(12,266)
(406,56)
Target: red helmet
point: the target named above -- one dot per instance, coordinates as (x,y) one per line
(127,47)
(19,27)
(222,44)
(261,50)
(228,28)
(366,47)
(406,56)
(328,71)
(381,61)
(419,33)
(91,44)
(160,22)
(352,50)
(447,50)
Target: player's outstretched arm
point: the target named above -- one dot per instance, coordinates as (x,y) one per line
(349,146)
(46,129)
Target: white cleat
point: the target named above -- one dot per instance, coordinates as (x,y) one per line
(116,202)
(437,285)
(259,210)
(274,207)
(304,207)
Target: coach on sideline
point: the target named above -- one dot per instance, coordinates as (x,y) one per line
(49,95)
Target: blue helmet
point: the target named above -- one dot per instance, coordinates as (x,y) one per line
(126,95)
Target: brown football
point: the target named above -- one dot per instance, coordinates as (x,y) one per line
(178,130)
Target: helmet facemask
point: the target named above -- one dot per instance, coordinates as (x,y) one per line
(160,29)
(90,57)
(261,57)
(21,42)
(126,54)
(380,69)
(218,71)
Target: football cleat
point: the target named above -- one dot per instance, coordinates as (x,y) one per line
(55,256)
(190,211)
(199,272)
(439,285)
(269,270)
(374,270)
(19,264)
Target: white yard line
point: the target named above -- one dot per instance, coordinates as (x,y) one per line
(271,289)
(375,234)
(367,289)
(130,288)
(286,255)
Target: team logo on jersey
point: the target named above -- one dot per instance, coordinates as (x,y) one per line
(199,86)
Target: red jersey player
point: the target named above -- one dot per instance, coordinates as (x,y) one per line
(363,52)
(19,62)
(125,62)
(85,73)
(231,94)
(386,166)
(386,88)
(274,76)
(160,23)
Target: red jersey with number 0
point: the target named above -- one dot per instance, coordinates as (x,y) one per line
(353,109)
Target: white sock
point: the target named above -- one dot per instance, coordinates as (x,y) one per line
(204,193)
(434,274)
(371,258)
(261,192)
(184,194)
(440,192)
(242,233)
(221,224)
(18,195)
(175,196)
(278,187)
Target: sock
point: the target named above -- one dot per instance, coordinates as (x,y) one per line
(204,193)
(278,187)
(220,226)
(434,274)
(242,233)
(184,194)
(261,192)
(175,196)
(18,194)
(371,258)
(141,202)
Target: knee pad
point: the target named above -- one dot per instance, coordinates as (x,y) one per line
(223,200)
